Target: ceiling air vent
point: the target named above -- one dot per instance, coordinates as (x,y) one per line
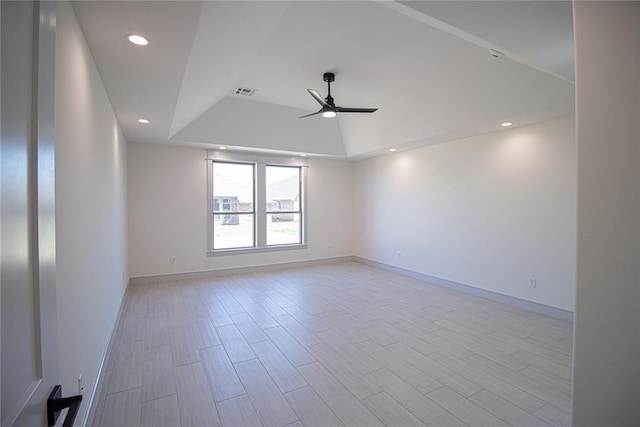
(496,53)
(243,91)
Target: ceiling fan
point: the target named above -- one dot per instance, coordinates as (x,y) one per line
(329,108)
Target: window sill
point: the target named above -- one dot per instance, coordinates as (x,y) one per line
(243,251)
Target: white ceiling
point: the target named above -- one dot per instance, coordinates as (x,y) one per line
(425,65)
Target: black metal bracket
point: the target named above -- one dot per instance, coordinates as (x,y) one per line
(56,403)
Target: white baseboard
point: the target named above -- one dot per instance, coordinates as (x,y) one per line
(547,310)
(142,280)
(97,389)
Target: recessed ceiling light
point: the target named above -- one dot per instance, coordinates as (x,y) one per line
(392,149)
(506,124)
(223,148)
(143,121)
(138,39)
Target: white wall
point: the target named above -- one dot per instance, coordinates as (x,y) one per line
(91,222)
(167,190)
(606,378)
(490,211)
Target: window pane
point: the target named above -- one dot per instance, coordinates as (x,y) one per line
(283,229)
(233,231)
(232,187)
(233,194)
(283,188)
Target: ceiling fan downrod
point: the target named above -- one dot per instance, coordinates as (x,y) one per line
(329,77)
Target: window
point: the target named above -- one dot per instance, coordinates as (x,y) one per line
(233,205)
(283,205)
(255,205)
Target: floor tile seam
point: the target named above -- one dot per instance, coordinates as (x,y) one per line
(304,364)
(235,371)
(546,355)
(345,389)
(123,391)
(319,397)
(530,392)
(410,411)
(343,384)
(540,356)
(564,386)
(353,366)
(231,398)
(129,342)
(249,395)
(564,353)
(537,346)
(219,412)
(273,379)
(497,415)
(477,405)
(482,343)
(437,378)
(158,397)
(187,364)
(567,377)
(499,379)
(442,407)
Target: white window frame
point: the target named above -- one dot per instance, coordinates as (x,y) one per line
(297,211)
(261,161)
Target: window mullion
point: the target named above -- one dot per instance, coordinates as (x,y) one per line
(261,205)
(210,213)
(303,204)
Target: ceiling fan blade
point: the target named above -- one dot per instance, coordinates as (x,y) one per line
(355,110)
(309,115)
(317,97)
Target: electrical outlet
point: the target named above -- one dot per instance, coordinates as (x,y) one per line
(532,282)
(80,385)
(172,260)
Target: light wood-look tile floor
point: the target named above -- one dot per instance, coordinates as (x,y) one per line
(331,345)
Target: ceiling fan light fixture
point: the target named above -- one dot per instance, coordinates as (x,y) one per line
(328,114)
